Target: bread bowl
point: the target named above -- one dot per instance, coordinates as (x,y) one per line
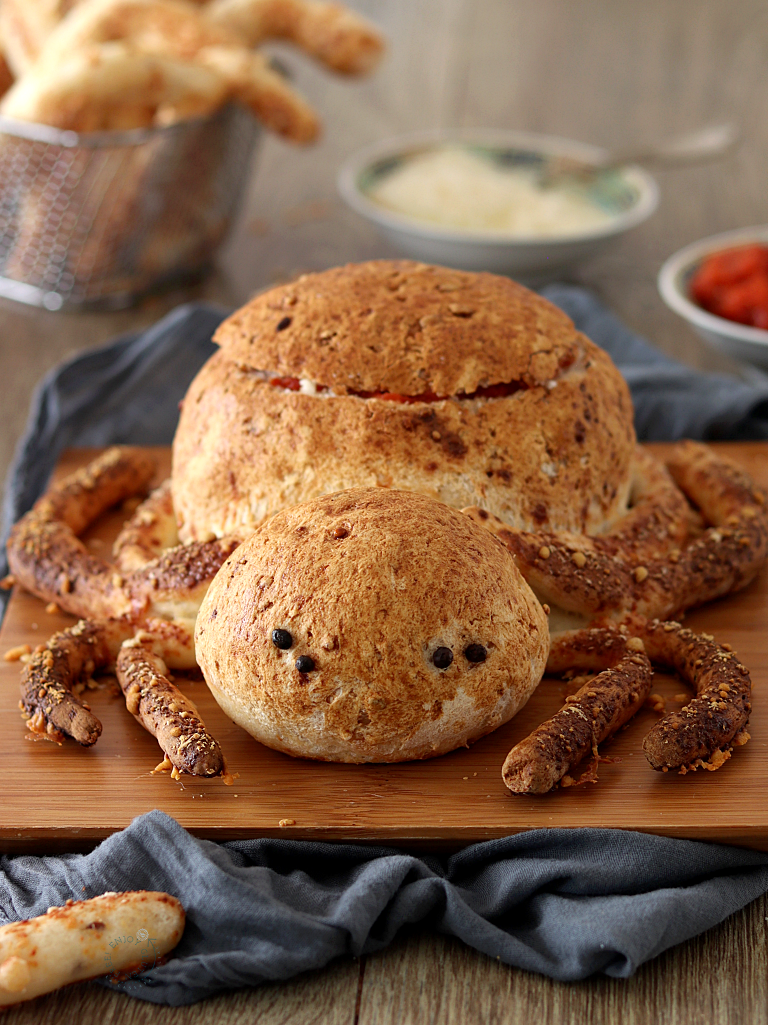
(465,387)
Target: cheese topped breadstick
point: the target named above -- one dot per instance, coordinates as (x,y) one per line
(116,933)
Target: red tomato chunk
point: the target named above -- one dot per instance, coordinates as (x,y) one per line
(734,284)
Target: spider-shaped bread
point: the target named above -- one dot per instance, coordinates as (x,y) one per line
(142,615)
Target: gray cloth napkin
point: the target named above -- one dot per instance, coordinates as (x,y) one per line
(671,400)
(567,903)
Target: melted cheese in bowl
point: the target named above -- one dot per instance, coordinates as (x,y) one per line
(454,187)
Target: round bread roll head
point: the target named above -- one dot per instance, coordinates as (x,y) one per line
(465,387)
(370,626)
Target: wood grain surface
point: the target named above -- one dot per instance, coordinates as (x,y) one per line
(444,802)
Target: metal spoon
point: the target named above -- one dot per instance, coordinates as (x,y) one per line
(705,144)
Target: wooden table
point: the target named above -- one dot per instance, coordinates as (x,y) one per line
(609,72)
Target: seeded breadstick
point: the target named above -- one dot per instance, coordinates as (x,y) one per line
(118,933)
(703,733)
(588,718)
(149,532)
(165,712)
(47,700)
(641,568)
(44,552)
(49,560)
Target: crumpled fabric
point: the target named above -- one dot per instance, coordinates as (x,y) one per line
(565,903)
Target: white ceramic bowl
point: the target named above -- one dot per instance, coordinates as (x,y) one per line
(630,193)
(736,340)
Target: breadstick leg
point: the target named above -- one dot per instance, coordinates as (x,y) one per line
(113,933)
(48,559)
(589,717)
(44,553)
(149,532)
(702,734)
(618,574)
(47,700)
(165,712)
(84,495)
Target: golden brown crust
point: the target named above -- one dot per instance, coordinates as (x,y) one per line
(118,473)
(245,449)
(658,518)
(162,709)
(50,561)
(175,582)
(643,572)
(44,552)
(369,584)
(589,717)
(701,733)
(406,327)
(47,701)
(148,532)
(254,82)
(55,670)
(119,64)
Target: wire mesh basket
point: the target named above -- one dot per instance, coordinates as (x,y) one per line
(96,220)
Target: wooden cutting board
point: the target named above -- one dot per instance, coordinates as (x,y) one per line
(68,798)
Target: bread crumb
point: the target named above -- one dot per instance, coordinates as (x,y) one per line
(286,822)
(52,608)
(657,703)
(15,654)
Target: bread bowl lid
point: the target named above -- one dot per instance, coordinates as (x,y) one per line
(398,326)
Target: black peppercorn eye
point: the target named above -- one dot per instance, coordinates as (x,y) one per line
(475,653)
(282,639)
(442,658)
(305,664)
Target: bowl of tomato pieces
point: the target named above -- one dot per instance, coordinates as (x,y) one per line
(720,286)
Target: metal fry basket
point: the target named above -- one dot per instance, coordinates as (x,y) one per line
(96,220)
